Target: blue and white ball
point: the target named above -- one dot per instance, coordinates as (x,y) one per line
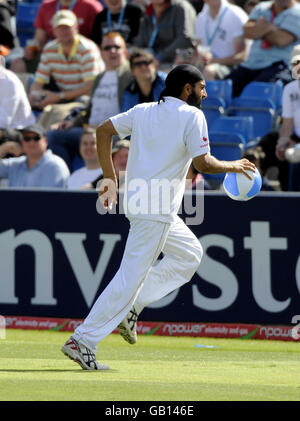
(239,187)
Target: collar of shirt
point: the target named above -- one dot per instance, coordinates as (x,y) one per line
(205,9)
(43,160)
(135,89)
(73,49)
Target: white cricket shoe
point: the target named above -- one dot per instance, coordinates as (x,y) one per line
(82,355)
(127,327)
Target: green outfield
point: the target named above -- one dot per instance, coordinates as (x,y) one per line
(32,367)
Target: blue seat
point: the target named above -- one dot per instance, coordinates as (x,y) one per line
(264,90)
(26,13)
(224,150)
(212,114)
(264,115)
(221,89)
(235,125)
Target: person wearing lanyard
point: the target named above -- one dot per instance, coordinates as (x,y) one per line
(168,25)
(219,31)
(117,17)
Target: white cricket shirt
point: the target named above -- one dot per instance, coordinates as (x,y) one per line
(291,104)
(164,139)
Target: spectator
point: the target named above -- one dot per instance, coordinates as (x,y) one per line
(148,82)
(15,110)
(167,26)
(257,156)
(120,151)
(219,29)
(85,10)
(38,167)
(88,150)
(68,65)
(105,100)
(274,28)
(277,146)
(118,17)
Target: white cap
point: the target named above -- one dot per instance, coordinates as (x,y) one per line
(64,17)
(295,56)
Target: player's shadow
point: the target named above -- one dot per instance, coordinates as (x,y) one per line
(54,370)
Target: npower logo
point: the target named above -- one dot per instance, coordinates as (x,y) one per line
(270,332)
(183,328)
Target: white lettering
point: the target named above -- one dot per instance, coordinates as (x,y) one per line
(260,243)
(217,274)
(88,280)
(43,257)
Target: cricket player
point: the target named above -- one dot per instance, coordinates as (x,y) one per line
(166,136)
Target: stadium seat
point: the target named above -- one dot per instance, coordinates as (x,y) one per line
(221,89)
(263,113)
(224,150)
(26,13)
(264,90)
(235,125)
(212,114)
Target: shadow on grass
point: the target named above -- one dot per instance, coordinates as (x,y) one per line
(55,370)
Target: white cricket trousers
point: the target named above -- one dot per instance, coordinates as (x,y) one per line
(137,281)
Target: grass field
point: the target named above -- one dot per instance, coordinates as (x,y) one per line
(33,368)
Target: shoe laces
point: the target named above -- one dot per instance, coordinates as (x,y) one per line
(132,319)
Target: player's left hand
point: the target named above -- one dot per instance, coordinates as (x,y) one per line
(243,166)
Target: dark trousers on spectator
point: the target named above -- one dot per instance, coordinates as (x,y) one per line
(65,143)
(268,144)
(294,180)
(241,76)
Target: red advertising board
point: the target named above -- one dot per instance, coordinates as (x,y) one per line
(208,330)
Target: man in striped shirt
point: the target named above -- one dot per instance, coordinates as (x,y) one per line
(70,63)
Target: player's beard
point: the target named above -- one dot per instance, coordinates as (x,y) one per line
(194,99)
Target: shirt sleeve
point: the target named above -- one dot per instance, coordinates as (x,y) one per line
(291,23)
(43,71)
(123,122)
(197,141)
(287,110)
(39,20)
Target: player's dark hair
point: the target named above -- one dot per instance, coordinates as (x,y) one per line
(178,77)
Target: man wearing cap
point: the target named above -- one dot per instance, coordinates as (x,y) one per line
(38,167)
(69,63)
(166,136)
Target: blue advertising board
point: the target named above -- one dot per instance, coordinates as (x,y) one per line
(57,253)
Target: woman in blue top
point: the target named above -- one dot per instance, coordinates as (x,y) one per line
(148,82)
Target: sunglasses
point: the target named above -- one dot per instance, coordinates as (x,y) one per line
(110,47)
(29,138)
(142,63)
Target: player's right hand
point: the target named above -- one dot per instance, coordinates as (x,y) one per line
(108,192)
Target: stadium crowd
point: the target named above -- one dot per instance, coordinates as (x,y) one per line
(87,60)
